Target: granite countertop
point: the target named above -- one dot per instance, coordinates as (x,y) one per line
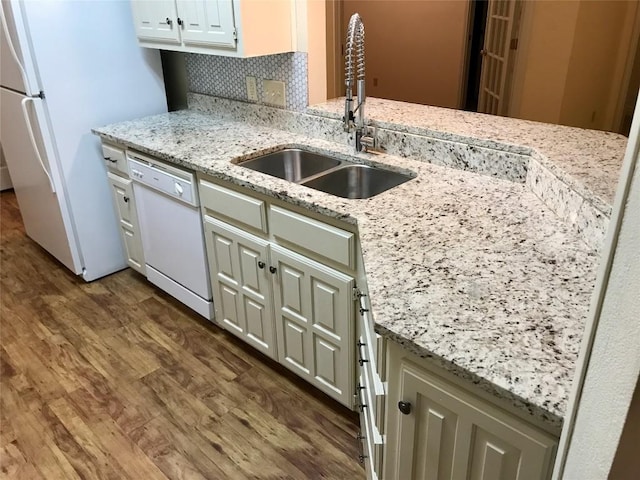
(587,160)
(472,272)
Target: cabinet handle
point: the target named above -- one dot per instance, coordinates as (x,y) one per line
(360,344)
(169,21)
(362,310)
(360,387)
(126,199)
(362,361)
(261,265)
(180,22)
(361,458)
(361,407)
(109,159)
(273,269)
(404,407)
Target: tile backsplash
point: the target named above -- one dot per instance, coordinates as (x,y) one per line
(225,76)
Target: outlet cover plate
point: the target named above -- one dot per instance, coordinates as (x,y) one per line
(252,89)
(274,93)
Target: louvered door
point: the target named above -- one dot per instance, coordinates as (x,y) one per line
(495,56)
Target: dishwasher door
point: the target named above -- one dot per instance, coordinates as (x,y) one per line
(173,240)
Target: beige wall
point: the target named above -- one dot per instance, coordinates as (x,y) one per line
(593,62)
(571,62)
(543,60)
(414,49)
(317,50)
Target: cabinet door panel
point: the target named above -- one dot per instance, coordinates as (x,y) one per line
(150,18)
(431,428)
(124,201)
(293,348)
(293,293)
(451,434)
(492,457)
(207,22)
(327,366)
(133,247)
(228,310)
(241,283)
(326,308)
(257,319)
(314,322)
(222,252)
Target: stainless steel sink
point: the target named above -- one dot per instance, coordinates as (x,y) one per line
(357,181)
(291,164)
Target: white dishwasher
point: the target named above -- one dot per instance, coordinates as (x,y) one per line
(171,230)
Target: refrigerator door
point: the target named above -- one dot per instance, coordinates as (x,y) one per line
(17,69)
(45,214)
(93,73)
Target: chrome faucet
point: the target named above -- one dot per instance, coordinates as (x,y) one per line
(355,55)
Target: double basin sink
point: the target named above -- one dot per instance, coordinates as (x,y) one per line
(327,174)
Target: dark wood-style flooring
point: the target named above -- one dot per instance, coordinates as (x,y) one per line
(114,379)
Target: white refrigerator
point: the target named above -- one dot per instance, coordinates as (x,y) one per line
(68,66)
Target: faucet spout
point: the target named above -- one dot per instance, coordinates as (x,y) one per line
(354,60)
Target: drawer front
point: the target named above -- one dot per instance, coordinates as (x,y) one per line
(372,441)
(325,240)
(114,158)
(372,387)
(234,206)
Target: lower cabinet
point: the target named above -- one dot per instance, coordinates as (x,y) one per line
(292,308)
(124,201)
(437,430)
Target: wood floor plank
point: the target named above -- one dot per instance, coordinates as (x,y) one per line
(40,448)
(164,447)
(14,465)
(114,379)
(102,462)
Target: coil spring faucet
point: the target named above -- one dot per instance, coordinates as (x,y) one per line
(355,50)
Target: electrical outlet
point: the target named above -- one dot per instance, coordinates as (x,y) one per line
(274,93)
(252,89)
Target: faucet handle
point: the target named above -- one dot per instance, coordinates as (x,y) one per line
(369,139)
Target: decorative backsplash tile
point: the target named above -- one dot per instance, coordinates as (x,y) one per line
(225,76)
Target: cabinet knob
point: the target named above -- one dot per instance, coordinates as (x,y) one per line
(273,269)
(362,361)
(361,458)
(180,22)
(261,265)
(126,199)
(404,407)
(360,344)
(168,21)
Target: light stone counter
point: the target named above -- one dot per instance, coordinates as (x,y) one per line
(472,272)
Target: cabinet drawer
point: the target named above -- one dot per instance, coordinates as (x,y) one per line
(325,240)
(372,443)
(371,386)
(115,158)
(234,206)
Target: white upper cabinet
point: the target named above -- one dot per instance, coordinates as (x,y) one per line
(239,28)
(155,21)
(207,22)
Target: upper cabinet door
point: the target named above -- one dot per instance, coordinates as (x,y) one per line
(207,22)
(156,20)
